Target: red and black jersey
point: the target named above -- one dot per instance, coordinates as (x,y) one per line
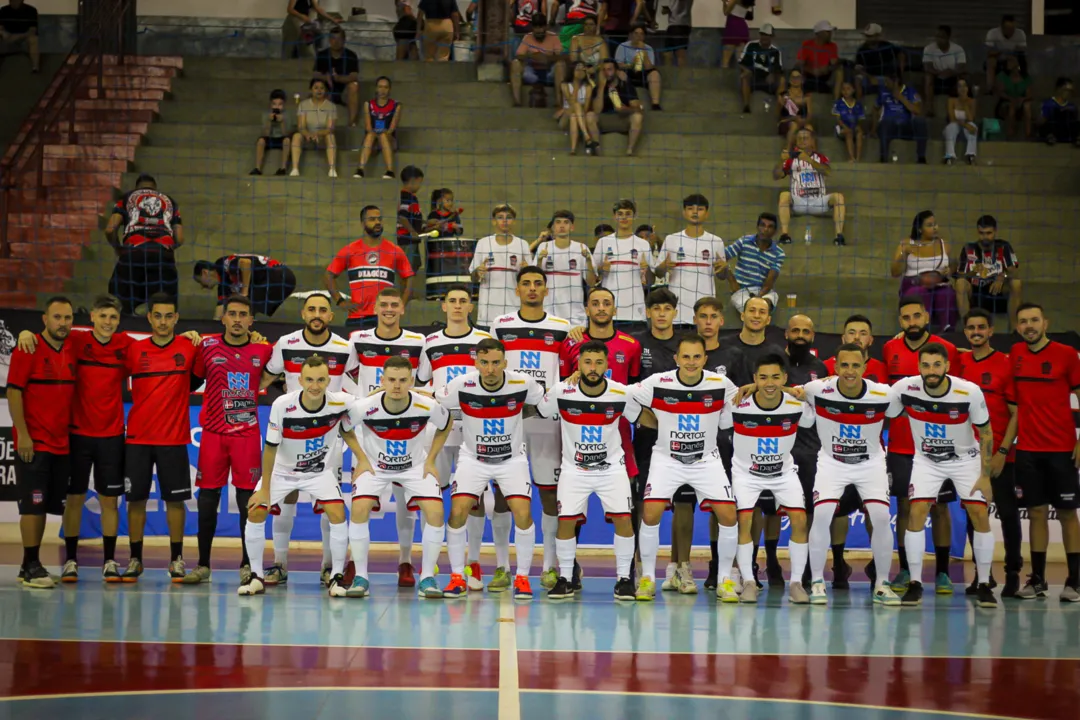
(382,116)
(231,394)
(160,392)
(986,261)
(228,269)
(47,381)
(1044,381)
(994,376)
(148,216)
(100,369)
(410,218)
(901,361)
(875,370)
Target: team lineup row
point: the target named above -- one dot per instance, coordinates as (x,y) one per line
(667,387)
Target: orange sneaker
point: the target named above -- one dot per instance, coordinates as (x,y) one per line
(522,589)
(405,575)
(457,587)
(475,577)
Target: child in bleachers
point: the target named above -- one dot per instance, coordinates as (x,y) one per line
(444,217)
(850,121)
(277,127)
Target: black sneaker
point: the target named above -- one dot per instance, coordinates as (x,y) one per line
(560,590)
(656,106)
(256,171)
(921,161)
(592,148)
(970,159)
(839,240)
(359,174)
(36,576)
(746,109)
(984,596)
(784,239)
(624,589)
(841,576)
(871,573)
(1012,585)
(973,588)
(775,575)
(575,581)
(913,596)
(388,175)
(281,172)
(712,581)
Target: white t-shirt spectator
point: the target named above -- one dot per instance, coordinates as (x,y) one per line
(624,279)
(933,56)
(626,53)
(566,269)
(497,290)
(996,39)
(805,180)
(692,276)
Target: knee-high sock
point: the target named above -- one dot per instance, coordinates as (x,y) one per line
(624,555)
(455,548)
(405,520)
(549,524)
(431,542)
(501,524)
(727,544)
(242,499)
(255,542)
(567,551)
(524,544)
(982,547)
(360,540)
(649,545)
(209,501)
(339,546)
(915,546)
(283,525)
(327,555)
(474,527)
(820,537)
(881,541)
(798,552)
(744,556)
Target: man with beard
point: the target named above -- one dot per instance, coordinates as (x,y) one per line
(902,361)
(943,410)
(992,372)
(1047,452)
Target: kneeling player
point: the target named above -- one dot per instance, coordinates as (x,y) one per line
(393,430)
(943,410)
(765,426)
(592,462)
(302,452)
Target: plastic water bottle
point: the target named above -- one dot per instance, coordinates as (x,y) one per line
(681,255)
(808,237)
(768,105)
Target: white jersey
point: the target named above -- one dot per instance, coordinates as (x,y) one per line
(395,442)
(692,275)
(590,423)
(688,416)
(491,419)
(308,442)
(625,277)
(764,438)
(567,268)
(806,181)
(370,353)
(497,289)
(532,347)
(290,352)
(445,357)
(941,427)
(850,428)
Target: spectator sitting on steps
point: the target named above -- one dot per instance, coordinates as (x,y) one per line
(381,117)
(1058,121)
(577,99)
(962,116)
(589,47)
(875,60)
(850,121)
(638,61)
(944,62)
(316,117)
(758,260)
(540,60)
(19,32)
(808,170)
(298,31)
(899,117)
(988,273)
(760,67)
(1004,41)
(615,109)
(277,128)
(819,60)
(340,68)
(1013,91)
(795,107)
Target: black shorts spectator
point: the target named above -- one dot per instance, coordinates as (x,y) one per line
(102,455)
(405,29)
(945,86)
(42,483)
(640,78)
(140,272)
(1047,478)
(765,82)
(174,478)
(817,84)
(274,143)
(676,37)
(995,304)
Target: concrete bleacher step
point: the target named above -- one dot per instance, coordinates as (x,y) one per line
(248,69)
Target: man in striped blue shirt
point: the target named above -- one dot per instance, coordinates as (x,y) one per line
(758,260)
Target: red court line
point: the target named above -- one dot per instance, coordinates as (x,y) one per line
(1031,688)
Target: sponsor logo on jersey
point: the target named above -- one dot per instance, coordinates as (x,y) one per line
(689,423)
(494,427)
(372,258)
(935,431)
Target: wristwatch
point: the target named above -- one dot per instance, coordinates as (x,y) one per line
(1003,451)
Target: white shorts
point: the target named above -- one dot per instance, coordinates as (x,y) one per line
(543,445)
(415,484)
(813,205)
(611,486)
(707,478)
(787,490)
(927,477)
(323,488)
(740,297)
(446,463)
(870,478)
(473,477)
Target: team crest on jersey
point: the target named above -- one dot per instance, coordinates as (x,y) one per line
(707,401)
(404,354)
(513,261)
(954,414)
(331,362)
(620,357)
(987,378)
(704,254)
(573,264)
(373,258)
(722,369)
(633,254)
(179,359)
(549,263)
(786,425)
(871,414)
(1046,368)
(511,405)
(414,426)
(609,413)
(549,339)
(256,362)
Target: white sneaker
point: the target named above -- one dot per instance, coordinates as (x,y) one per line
(817,593)
(736,577)
(685,576)
(671,582)
(253,587)
(295,172)
(333,172)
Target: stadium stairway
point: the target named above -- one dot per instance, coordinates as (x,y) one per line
(465,136)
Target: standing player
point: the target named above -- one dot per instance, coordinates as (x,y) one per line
(625,262)
(568,264)
(447,354)
(495,264)
(232,365)
(533,341)
(492,402)
(1047,452)
(592,462)
(370,351)
(393,431)
(303,452)
(850,413)
(39,392)
(765,426)
(992,372)
(688,405)
(902,361)
(943,410)
(691,258)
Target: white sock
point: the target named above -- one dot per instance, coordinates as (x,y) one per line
(820,538)
(797,552)
(649,546)
(255,542)
(455,548)
(567,551)
(982,546)
(432,546)
(727,544)
(327,552)
(339,546)
(881,541)
(475,527)
(915,545)
(360,539)
(624,555)
(524,544)
(549,524)
(744,556)
(282,529)
(501,524)
(405,520)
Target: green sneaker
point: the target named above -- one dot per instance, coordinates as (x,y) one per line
(500,582)
(943,585)
(901,581)
(358,589)
(201,574)
(429,589)
(548,578)
(646,591)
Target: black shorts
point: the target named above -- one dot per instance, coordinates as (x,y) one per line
(1006,493)
(174,476)
(273,143)
(817,83)
(1047,478)
(640,78)
(42,483)
(405,29)
(676,37)
(945,86)
(105,457)
(142,271)
(994,304)
(764,82)
(644,440)
(899,467)
(274,286)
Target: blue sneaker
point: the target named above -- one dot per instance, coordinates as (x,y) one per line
(901,581)
(358,589)
(943,585)
(429,589)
